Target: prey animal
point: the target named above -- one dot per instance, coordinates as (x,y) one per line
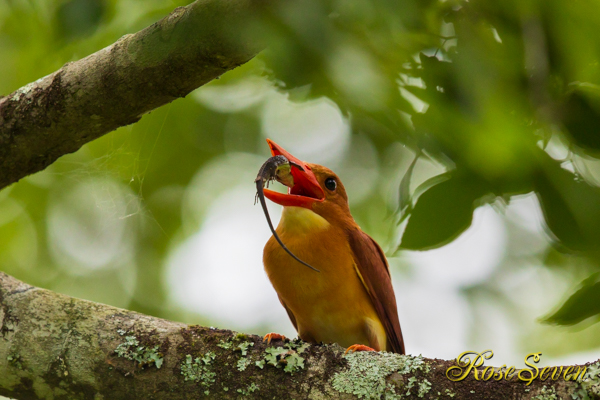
(276,168)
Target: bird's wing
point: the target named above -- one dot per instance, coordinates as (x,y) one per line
(374,272)
(289,313)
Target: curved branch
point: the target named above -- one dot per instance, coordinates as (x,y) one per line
(56,347)
(115,86)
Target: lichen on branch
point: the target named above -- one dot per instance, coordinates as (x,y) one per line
(53,346)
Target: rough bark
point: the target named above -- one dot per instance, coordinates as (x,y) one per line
(56,347)
(115,86)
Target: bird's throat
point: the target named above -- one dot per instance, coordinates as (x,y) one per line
(300,220)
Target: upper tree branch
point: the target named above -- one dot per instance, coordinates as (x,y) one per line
(115,86)
(56,347)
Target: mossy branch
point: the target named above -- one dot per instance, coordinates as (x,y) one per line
(115,86)
(56,347)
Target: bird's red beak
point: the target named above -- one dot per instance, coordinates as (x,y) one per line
(306,189)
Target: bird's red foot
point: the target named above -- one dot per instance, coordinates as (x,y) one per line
(273,336)
(358,347)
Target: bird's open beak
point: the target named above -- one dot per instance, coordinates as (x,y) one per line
(306,189)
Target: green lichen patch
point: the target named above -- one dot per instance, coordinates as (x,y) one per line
(422,387)
(223,356)
(14,360)
(590,384)
(248,390)
(547,393)
(143,355)
(287,357)
(225,344)
(367,373)
(243,363)
(199,370)
(243,347)
(230,344)
(293,363)
(274,354)
(298,345)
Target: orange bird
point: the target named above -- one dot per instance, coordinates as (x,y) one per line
(351,300)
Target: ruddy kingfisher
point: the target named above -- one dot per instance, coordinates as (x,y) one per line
(350,299)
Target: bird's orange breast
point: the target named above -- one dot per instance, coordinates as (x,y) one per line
(330,306)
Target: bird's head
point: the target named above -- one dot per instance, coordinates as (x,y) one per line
(316,188)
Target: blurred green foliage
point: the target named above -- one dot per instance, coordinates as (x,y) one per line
(503,96)
(481,87)
(492,95)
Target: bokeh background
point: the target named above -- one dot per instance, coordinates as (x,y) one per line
(466,133)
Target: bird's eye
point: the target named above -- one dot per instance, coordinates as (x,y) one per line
(330,184)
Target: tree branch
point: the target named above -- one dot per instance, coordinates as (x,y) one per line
(56,347)
(115,86)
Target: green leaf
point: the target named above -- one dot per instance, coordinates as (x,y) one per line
(437,75)
(559,218)
(582,304)
(581,119)
(442,212)
(570,207)
(404,198)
